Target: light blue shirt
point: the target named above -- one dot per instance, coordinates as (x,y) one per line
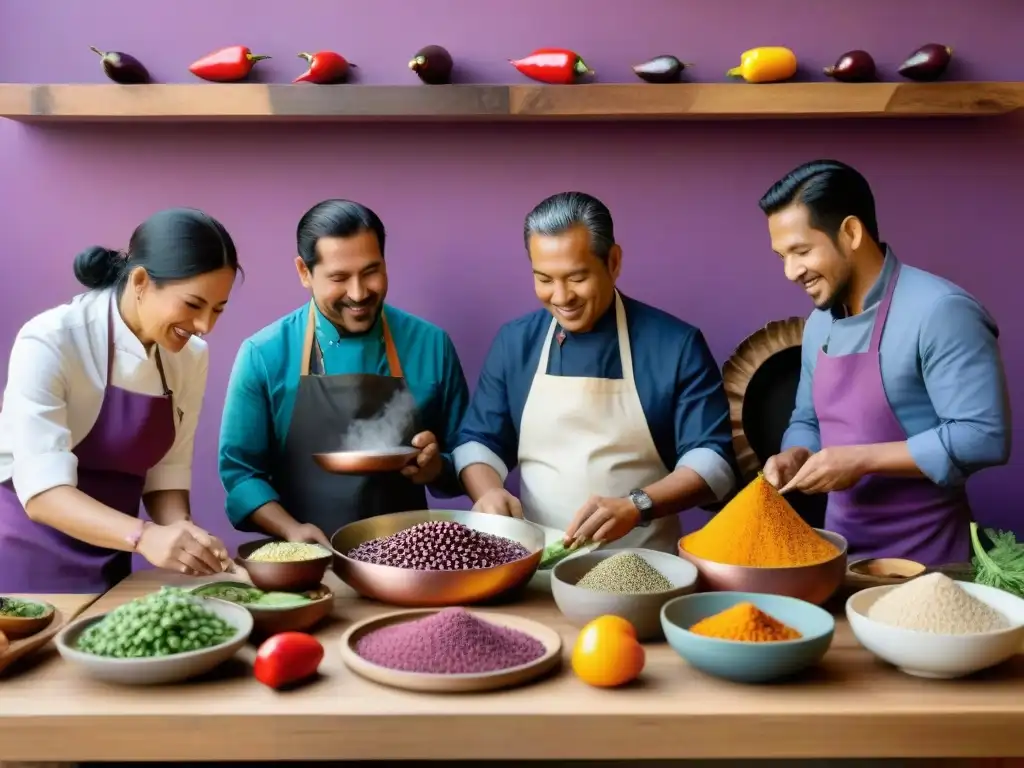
(265,380)
(677,378)
(941,370)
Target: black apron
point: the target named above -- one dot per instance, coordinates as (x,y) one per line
(325,407)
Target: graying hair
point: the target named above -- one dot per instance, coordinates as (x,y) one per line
(560,213)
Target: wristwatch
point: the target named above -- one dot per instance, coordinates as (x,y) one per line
(643,504)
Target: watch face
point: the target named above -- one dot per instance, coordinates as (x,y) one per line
(642,500)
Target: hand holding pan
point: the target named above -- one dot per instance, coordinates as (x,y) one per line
(428,464)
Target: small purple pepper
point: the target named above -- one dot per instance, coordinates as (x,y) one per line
(121,67)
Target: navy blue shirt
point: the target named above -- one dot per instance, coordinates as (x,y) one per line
(679,384)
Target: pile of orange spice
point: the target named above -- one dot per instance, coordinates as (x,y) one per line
(746,623)
(759,529)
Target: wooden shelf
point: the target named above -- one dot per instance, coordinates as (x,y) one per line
(417,103)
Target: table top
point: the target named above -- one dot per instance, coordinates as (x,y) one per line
(850,706)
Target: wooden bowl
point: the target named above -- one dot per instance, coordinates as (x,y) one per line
(296,576)
(878,571)
(16,627)
(456,683)
(270,619)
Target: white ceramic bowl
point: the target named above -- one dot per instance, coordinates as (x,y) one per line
(164,669)
(926,654)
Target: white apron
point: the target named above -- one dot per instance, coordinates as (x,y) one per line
(582,437)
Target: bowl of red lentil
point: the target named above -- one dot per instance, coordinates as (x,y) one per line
(436,558)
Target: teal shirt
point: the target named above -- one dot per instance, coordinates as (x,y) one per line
(265,378)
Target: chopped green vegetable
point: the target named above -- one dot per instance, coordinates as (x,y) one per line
(21,609)
(556,552)
(1002,566)
(242,594)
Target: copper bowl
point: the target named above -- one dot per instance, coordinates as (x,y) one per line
(296,576)
(364,462)
(813,583)
(435,589)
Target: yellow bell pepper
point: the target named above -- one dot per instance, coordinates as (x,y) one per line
(769,64)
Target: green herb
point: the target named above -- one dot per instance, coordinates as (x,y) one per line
(1002,566)
(21,609)
(556,552)
(242,594)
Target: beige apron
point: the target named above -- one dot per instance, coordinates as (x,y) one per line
(582,437)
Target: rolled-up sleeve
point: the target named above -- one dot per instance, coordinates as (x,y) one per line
(454,402)
(488,434)
(246,438)
(703,430)
(174,471)
(35,405)
(965,379)
(803,430)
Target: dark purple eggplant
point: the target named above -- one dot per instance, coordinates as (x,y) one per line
(433,65)
(929,62)
(122,68)
(852,67)
(661,69)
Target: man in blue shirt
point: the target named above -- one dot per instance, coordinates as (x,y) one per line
(614,410)
(344,371)
(902,393)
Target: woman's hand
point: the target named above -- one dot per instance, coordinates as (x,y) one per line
(182,547)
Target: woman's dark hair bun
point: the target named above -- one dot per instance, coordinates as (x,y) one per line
(97,267)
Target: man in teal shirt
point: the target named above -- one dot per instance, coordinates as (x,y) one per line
(344,371)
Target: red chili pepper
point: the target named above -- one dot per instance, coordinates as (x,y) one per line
(228,65)
(324,67)
(556,66)
(287,658)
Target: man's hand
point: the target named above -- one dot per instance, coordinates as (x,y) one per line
(307,533)
(602,519)
(782,467)
(831,469)
(428,464)
(499,502)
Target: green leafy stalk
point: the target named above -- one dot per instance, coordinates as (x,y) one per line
(1002,566)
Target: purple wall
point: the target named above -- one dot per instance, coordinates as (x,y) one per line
(453,196)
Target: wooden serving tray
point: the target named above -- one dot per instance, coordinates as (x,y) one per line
(20,648)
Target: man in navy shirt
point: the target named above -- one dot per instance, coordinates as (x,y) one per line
(614,410)
(902,393)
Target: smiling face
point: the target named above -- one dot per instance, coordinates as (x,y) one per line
(573,284)
(810,258)
(171,313)
(349,281)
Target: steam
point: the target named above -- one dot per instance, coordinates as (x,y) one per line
(385,431)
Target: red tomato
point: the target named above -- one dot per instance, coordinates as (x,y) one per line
(287,658)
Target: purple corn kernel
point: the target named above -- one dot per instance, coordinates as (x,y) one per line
(440,545)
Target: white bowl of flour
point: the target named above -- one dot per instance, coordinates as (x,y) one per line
(932,626)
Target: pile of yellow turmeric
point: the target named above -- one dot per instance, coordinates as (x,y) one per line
(746,623)
(759,529)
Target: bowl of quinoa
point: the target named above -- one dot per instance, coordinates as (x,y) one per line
(436,558)
(284,566)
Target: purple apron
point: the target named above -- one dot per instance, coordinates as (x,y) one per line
(883,516)
(132,433)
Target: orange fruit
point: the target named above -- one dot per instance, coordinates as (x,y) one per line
(607,653)
(612,623)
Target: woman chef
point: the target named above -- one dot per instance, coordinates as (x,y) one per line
(100,411)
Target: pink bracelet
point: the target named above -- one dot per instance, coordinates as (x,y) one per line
(134,538)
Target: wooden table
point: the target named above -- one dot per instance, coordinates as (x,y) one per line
(851,706)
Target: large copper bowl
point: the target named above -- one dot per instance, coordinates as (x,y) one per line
(430,589)
(813,583)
